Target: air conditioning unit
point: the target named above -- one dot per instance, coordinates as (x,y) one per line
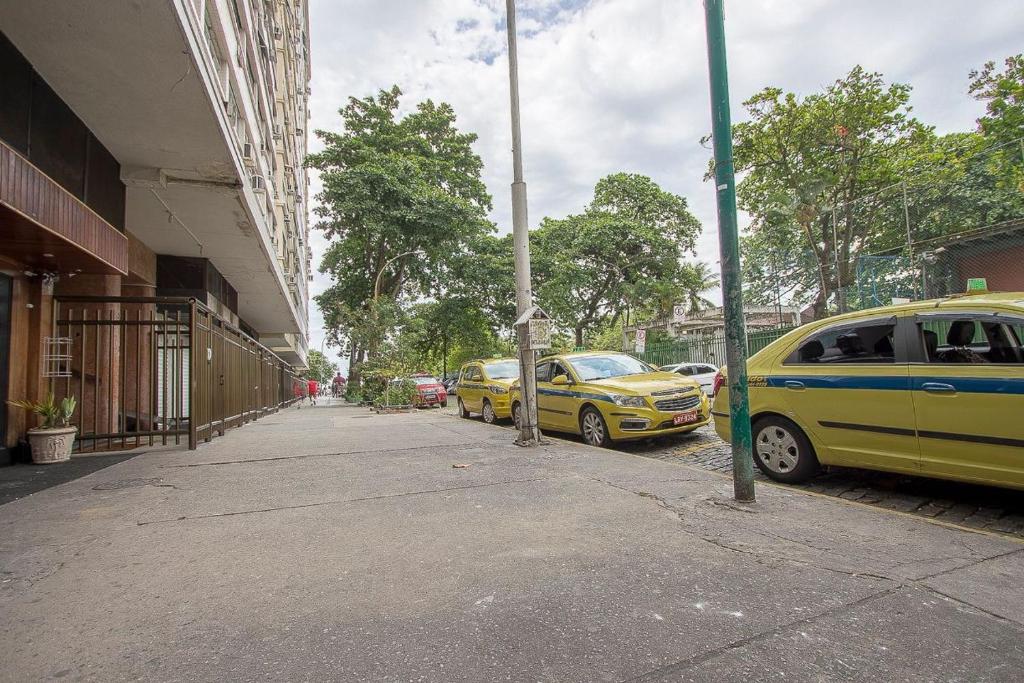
(247,152)
(259,183)
(299,131)
(277,131)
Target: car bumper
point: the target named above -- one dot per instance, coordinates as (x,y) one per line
(502,406)
(722,427)
(629,425)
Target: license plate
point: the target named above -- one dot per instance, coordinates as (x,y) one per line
(685,418)
(430,397)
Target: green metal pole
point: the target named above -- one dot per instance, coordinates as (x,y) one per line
(729,246)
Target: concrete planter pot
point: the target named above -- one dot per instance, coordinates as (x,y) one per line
(51,445)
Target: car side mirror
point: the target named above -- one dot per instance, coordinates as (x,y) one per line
(561,381)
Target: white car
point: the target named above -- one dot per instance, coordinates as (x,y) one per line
(702,373)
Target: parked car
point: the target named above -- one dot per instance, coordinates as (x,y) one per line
(429,392)
(483,388)
(702,373)
(932,388)
(608,397)
(450,385)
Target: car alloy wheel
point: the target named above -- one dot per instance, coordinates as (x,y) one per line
(783,451)
(778,449)
(462,409)
(595,432)
(489,416)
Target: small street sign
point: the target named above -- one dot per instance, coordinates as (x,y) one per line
(641,341)
(679,313)
(540,333)
(538,328)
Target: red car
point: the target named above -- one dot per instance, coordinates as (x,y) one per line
(429,392)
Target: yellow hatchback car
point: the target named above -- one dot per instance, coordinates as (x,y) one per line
(931,388)
(607,397)
(483,387)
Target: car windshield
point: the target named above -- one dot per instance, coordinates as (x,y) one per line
(504,369)
(603,367)
(425,380)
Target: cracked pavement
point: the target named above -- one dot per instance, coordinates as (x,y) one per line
(324,543)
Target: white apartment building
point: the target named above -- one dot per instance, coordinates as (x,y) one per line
(202,106)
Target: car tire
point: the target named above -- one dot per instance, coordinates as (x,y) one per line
(593,428)
(462,410)
(782,451)
(488,413)
(517,416)
(444,403)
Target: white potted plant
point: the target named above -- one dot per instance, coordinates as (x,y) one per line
(52,441)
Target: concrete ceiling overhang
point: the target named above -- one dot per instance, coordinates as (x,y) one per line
(126,68)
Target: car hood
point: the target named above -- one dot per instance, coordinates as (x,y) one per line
(647,383)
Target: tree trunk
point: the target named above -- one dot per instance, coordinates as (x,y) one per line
(579,337)
(353,366)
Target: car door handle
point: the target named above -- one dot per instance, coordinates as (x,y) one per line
(938,388)
(794,385)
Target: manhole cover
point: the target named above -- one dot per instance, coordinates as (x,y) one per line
(126,484)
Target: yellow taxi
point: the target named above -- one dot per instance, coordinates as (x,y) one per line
(607,397)
(483,388)
(931,388)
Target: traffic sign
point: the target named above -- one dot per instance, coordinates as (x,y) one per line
(641,341)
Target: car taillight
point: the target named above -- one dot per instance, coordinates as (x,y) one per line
(719,381)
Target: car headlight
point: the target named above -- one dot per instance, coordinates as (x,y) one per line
(629,401)
(495,389)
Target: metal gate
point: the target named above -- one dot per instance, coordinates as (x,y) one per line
(159,370)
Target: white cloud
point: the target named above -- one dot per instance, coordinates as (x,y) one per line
(610,85)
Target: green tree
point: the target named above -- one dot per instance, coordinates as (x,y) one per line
(319,368)
(802,158)
(620,252)
(1003,122)
(392,185)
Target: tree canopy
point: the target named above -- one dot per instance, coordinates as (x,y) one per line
(392,185)
(624,250)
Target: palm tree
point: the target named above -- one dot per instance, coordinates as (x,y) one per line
(697,279)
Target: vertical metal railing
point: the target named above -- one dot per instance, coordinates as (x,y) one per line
(162,370)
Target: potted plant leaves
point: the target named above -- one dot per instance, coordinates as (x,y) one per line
(52,441)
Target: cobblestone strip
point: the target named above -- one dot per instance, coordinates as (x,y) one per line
(978,507)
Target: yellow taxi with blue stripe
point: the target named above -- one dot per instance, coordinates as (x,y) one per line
(931,388)
(483,388)
(607,397)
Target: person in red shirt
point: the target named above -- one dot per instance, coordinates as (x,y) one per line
(314,387)
(338,386)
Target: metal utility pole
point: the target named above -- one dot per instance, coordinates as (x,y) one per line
(728,238)
(529,434)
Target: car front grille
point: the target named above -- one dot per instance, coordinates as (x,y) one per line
(680,403)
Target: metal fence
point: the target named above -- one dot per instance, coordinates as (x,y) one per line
(149,370)
(705,348)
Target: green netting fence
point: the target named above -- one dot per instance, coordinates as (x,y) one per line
(705,348)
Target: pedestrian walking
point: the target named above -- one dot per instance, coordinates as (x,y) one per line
(314,387)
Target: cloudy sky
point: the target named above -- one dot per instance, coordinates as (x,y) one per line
(621,85)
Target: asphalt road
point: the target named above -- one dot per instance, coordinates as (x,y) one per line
(977,507)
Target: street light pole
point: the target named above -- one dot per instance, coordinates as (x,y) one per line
(728,238)
(376,283)
(529,434)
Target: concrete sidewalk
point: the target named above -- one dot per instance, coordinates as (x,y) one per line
(330,544)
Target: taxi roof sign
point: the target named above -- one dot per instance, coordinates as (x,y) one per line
(977,284)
